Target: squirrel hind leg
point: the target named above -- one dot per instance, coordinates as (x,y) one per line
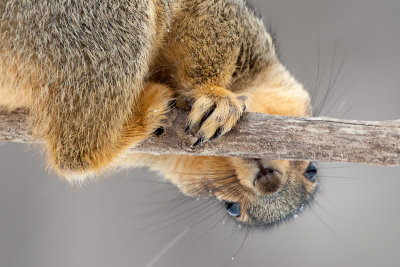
(82,161)
(153,106)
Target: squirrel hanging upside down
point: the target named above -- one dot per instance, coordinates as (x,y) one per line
(99,76)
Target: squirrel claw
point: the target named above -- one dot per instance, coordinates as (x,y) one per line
(159,131)
(198,142)
(216,134)
(187,129)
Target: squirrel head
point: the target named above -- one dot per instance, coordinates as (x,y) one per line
(255,192)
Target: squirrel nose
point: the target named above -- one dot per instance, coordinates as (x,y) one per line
(266,180)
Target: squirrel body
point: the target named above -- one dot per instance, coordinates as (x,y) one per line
(100,76)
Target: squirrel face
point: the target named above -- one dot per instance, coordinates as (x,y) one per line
(255,192)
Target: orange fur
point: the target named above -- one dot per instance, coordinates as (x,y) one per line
(97,83)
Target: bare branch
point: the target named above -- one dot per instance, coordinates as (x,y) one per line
(263,136)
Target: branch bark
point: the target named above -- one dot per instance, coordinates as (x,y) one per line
(262,136)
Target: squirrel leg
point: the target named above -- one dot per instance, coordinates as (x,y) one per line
(214,112)
(78,162)
(85,76)
(154,104)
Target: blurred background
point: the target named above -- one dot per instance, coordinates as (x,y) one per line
(133,219)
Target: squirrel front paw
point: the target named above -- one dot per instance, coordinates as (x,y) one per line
(215,111)
(156,102)
(160,130)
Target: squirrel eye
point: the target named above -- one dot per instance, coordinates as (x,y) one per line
(233,208)
(311,172)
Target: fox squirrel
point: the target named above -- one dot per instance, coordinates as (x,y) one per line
(99,76)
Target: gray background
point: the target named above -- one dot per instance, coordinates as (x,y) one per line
(355,220)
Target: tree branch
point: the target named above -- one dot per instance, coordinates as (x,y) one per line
(263,136)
